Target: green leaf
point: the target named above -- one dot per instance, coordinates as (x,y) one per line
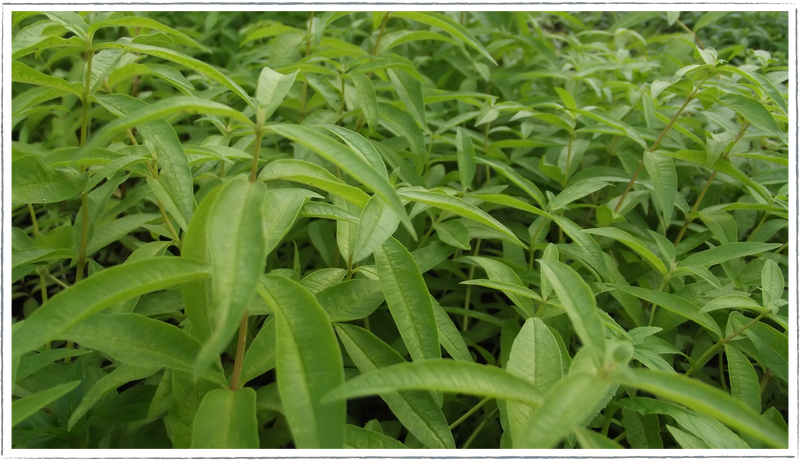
(708,400)
(632,242)
(500,272)
(662,174)
(272,88)
(579,303)
(416,410)
(709,18)
(226,419)
(140,22)
(448,25)
(457,206)
(351,300)
(674,304)
(120,376)
(367,99)
(466,158)
(440,375)
(454,233)
(280,209)
(285,48)
(724,253)
(589,439)
(535,356)
(772,283)
(359,438)
(24,74)
(744,381)
(162,109)
(182,59)
(107,288)
(360,145)
(23,408)
(377,224)
(449,337)
(32,181)
(402,124)
(261,354)
(529,187)
(754,112)
(309,365)
(408,299)
(349,161)
(237,249)
(410,92)
(139,341)
(316,176)
(644,431)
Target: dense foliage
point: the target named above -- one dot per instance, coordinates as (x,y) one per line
(472,230)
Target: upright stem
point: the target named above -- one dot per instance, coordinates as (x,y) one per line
(702,195)
(710,352)
(658,141)
(380,34)
(240,346)
(256,151)
(33,219)
(87,81)
(465,323)
(696,38)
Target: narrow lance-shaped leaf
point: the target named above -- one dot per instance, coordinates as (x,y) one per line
(408,299)
(459,207)
(440,375)
(416,410)
(32,181)
(665,181)
(553,420)
(367,99)
(360,145)
(466,158)
(175,175)
(443,22)
(410,92)
(23,408)
(24,74)
(535,356)
(140,341)
(708,400)
(226,419)
(237,247)
(349,161)
(120,376)
(377,224)
(674,304)
(182,59)
(579,303)
(309,365)
(316,176)
(107,288)
(272,88)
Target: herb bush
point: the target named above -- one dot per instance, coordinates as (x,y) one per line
(473,230)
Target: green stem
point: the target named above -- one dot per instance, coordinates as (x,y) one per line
(256,151)
(240,347)
(33,219)
(479,429)
(711,351)
(658,141)
(696,206)
(469,413)
(87,81)
(465,323)
(380,34)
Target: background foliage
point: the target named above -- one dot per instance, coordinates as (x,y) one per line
(468,229)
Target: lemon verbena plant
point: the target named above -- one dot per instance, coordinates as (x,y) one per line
(399,230)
